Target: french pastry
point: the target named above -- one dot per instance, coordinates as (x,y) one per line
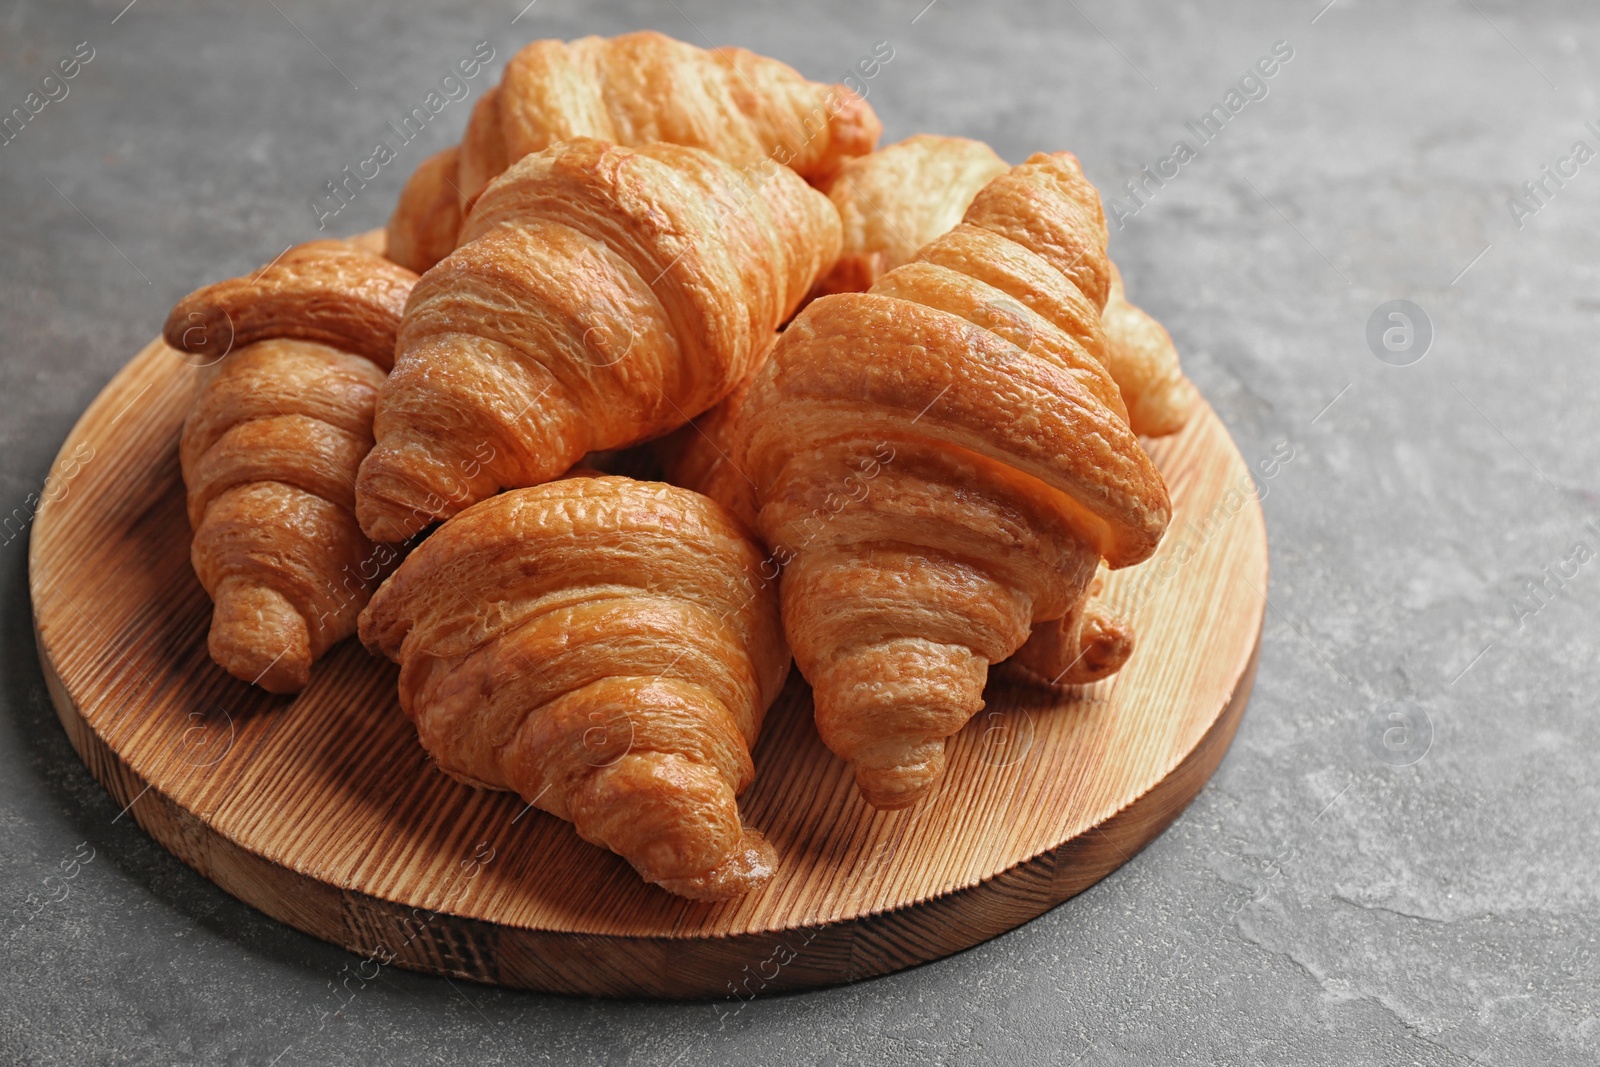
(606,649)
(270,448)
(423,228)
(1144,362)
(601,296)
(939,464)
(1088,643)
(631,90)
(896,200)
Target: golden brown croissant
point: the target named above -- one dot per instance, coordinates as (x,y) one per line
(606,649)
(1088,643)
(896,200)
(1145,363)
(601,296)
(270,449)
(423,228)
(632,90)
(940,463)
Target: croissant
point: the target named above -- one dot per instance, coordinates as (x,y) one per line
(1090,642)
(940,463)
(1144,362)
(606,649)
(270,448)
(601,296)
(423,228)
(631,90)
(894,201)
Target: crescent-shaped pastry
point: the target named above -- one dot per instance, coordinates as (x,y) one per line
(631,90)
(941,463)
(896,200)
(606,649)
(270,449)
(601,296)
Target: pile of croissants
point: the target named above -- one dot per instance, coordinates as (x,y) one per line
(897,396)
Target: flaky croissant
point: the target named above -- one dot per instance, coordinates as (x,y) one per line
(631,90)
(423,228)
(296,354)
(896,200)
(940,463)
(1145,363)
(606,649)
(601,296)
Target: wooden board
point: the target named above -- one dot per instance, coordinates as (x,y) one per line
(324,812)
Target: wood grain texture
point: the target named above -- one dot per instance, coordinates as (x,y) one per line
(324,812)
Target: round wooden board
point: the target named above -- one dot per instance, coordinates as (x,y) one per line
(323,811)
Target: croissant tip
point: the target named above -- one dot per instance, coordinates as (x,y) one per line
(1109,649)
(752,865)
(895,788)
(1165,411)
(283,679)
(1099,648)
(382,510)
(259,637)
(383,528)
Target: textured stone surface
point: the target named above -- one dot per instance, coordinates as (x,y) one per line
(1316,903)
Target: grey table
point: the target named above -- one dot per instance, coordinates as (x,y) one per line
(1395,862)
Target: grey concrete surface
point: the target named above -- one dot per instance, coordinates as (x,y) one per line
(1327,899)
